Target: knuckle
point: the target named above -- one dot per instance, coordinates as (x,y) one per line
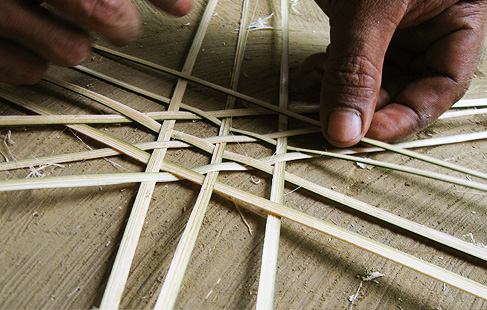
(104,12)
(353,77)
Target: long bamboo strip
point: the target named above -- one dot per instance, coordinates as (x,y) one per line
(93,133)
(124,258)
(219,88)
(425,158)
(100,153)
(270,252)
(470,103)
(417,143)
(25,120)
(180,261)
(204,145)
(115,105)
(462,113)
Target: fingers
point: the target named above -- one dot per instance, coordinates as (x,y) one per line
(117,20)
(447,68)
(174,7)
(42,36)
(360,34)
(19,65)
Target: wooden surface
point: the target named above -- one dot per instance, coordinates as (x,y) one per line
(57,246)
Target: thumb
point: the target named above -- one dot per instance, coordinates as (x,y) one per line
(360,34)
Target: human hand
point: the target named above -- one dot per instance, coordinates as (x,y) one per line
(393,67)
(36,33)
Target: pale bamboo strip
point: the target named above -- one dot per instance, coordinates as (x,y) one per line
(21,120)
(124,258)
(314,107)
(364,243)
(204,145)
(180,261)
(425,158)
(115,105)
(470,103)
(219,88)
(462,113)
(270,252)
(410,170)
(417,143)
(293,132)
(224,190)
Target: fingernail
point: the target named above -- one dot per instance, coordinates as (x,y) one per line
(344,125)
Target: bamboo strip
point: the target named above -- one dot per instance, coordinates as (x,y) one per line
(270,252)
(93,133)
(265,166)
(147,94)
(384,251)
(461,113)
(470,103)
(417,143)
(257,164)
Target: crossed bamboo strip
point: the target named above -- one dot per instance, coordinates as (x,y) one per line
(62,181)
(270,252)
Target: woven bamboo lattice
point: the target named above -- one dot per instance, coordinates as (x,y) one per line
(159,169)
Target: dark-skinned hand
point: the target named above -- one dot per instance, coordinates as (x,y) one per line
(394,66)
(36,33)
